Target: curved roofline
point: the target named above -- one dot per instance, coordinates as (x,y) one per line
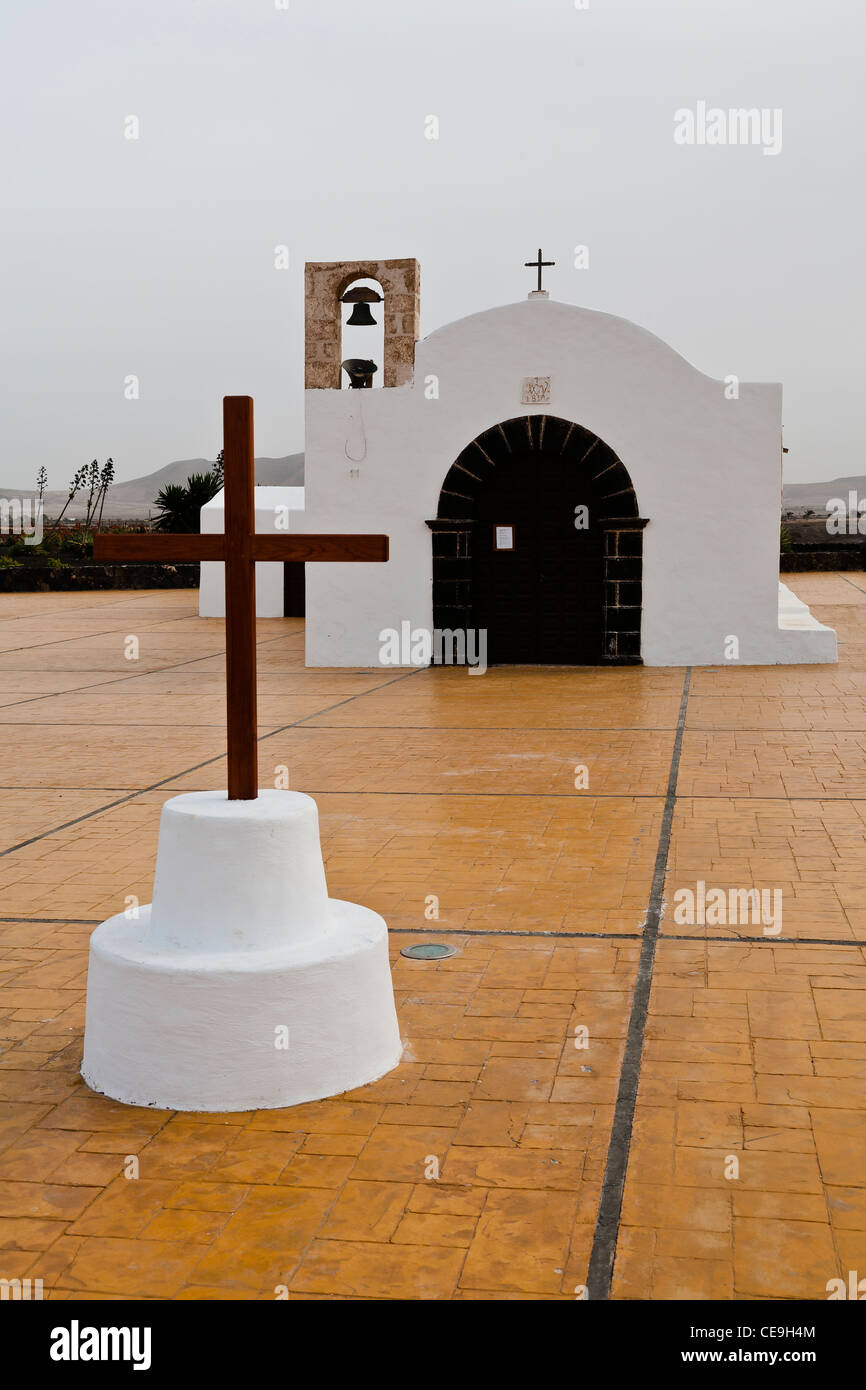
(578,309)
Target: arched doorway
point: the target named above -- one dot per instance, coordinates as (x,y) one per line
(539,541)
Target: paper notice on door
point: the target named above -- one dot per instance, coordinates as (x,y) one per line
(504,537)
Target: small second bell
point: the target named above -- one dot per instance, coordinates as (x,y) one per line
(359,371)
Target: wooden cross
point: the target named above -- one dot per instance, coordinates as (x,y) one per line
(239,548)
(538,264)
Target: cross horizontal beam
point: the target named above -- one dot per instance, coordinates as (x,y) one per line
(177,547)
(151,548)
(238,548)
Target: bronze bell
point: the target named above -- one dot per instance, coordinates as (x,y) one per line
(361,298)
(360,317)
(360,371)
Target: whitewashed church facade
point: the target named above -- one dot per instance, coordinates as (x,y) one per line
(556,477)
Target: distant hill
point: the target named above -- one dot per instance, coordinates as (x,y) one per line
(797,496)
(134,500)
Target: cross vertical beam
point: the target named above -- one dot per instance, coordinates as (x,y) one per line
(537,265)
(240,576)
(239,548)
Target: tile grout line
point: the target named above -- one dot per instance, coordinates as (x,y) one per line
(99,685)
(175,776)
(85,637)
(116,680)
(592,935)
(600,1272)
(457,795)
(474,729)
(852,942)
(119,602)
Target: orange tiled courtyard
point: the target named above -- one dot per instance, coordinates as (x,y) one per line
(750,1048)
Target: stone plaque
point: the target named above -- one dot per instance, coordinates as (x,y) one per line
(535,390)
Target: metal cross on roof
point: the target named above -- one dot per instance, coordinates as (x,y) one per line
(239,548)
(537,265)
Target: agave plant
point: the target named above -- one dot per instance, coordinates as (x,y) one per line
(179,506)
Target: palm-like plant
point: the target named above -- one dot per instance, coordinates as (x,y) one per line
(179,507)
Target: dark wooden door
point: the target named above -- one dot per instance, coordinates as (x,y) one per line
(294,588)
(542,601)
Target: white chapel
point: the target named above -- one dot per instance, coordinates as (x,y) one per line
(555,478)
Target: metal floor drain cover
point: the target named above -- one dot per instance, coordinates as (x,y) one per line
(429,950)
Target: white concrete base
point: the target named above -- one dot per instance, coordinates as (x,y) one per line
(199,1033)
(190,1005)
(804,639)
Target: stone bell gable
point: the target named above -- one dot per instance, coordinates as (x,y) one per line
(326,282)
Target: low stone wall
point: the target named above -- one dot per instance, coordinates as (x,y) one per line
(85,574)
(841,558)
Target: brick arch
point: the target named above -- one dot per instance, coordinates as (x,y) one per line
(353,278)
(613,504)
(537,433)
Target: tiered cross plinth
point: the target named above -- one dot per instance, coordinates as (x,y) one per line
(239,548)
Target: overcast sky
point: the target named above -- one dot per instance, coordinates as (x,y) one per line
(305,126)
